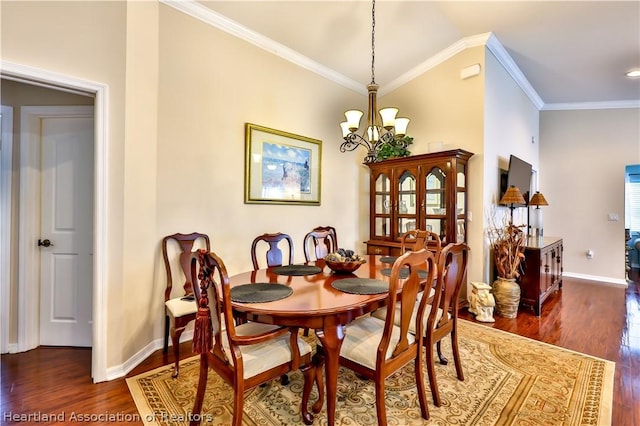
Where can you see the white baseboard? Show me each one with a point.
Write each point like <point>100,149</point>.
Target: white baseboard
<point>616,282</point>
<point>122,369</point>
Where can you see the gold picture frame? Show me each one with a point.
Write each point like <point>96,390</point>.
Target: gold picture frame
<point>281,167</point>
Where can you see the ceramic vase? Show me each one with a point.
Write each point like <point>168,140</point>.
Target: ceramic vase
<point>507,294</point>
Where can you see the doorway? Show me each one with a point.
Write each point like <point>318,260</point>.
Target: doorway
<point>632,217</point>
<point>28,326</point>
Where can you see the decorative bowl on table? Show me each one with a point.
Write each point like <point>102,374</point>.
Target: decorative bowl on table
<point>344,261</point>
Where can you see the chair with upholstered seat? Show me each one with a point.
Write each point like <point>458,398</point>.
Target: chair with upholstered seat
<point>244,356</point>
<point>274,254</point>
<point>318,243</point>
<point>417,239</point>
<point>411,241</point>
<point>376,349</point>
<point>277,245</point>
<point>443,321</point>
<point>180,307</point>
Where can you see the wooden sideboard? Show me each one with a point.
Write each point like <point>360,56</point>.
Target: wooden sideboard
<point>542,271</point>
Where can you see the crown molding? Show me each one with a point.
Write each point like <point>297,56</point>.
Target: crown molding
<point>501,54</point>
<point>591,105</point>
<point>217,20</point>
<point>229,26</point>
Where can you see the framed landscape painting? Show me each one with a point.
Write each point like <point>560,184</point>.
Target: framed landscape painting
<point>281,167</point>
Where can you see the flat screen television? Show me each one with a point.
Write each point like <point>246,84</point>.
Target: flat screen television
<point>518,175</point>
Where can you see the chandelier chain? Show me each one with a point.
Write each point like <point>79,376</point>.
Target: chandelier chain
<point>373,42</point>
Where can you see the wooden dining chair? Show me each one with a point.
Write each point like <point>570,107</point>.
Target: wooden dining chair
<point>417,239</point>
<point>278,244</point>
<point>410,241</point>
<point>180,306</point>
<point>375,348</point>
<point>442,319</point>
<point>318,243</point>
<point>274,254</point>
<point>247,355</point>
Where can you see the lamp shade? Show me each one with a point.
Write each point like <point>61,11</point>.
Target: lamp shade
<point>388,117</point>
<point>401,126</point>
<point>538,200</point>
<point>512,196</point>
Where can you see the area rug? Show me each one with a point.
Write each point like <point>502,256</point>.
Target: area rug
<point>509,380</point>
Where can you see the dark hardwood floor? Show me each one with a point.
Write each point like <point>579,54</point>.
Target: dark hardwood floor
<point>587,317</point>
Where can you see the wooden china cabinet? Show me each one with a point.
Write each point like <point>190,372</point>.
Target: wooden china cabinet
<point>427,191</point>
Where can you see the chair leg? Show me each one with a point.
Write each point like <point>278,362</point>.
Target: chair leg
<point>432,375</point>
<point>202,386</point>
<point>318,362</point>
<point>456,355</point>
<point>166,334</point>
<point>309,371</point>
<point>284,379</point>
<point>175,341</point>
<point>238,402</point>
<point>443,360</point>
<point>422,392</point>
<point>381,409</point>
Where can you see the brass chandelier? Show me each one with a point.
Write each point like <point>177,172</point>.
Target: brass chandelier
<point>382,127</point>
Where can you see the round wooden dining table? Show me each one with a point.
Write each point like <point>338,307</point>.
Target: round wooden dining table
<point>316,304</point>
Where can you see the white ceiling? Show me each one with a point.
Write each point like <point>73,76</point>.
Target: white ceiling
<point>571,52</point>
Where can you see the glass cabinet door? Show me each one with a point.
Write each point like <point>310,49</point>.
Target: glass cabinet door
<point>435,202</point>
<point>461,203</point>
<point>407,210</point>
<point>382,213</point>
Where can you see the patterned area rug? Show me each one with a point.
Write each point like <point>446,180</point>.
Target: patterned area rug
<point>509,380</point>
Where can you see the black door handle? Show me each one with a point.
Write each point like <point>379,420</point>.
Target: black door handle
<point>45,243</point>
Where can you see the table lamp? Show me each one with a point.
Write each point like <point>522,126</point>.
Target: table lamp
<point>537,200</point>
<point>512,196</point>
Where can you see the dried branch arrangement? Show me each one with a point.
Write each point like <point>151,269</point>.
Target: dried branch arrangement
<point>507,242</point>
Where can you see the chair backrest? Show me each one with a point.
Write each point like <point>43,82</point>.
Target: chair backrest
<point>186,243</point>
<point>417,239</point>
<point>321,241</point>
<point>415,261</point>
<point>452,273</point>
<point>210,274</point>
<point>274,253</point>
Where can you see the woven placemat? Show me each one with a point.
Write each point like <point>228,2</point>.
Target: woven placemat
<point>404,273</point>
<point>260,292</point>
<point>360,286</point>
<point>297,270</point>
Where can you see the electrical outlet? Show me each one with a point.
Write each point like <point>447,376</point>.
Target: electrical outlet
<point>613,217</point>
<point>589,254</point>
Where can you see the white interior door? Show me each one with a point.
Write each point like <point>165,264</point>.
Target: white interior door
<point>66,234</point>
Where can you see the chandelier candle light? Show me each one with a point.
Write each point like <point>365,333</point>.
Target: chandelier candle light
<point>382,128</point>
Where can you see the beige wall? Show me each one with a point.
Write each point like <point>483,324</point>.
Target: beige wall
<point>203,107</point>
<point>583,154</point>
<point>444,108</point>
<point>85,40</point>
<point>511,127</point>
